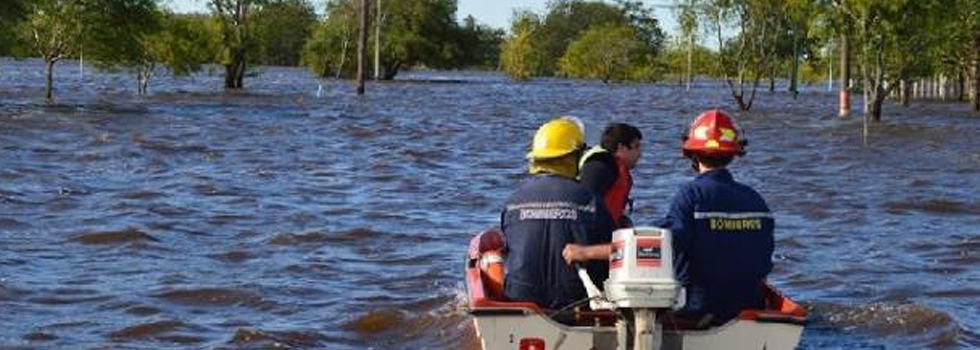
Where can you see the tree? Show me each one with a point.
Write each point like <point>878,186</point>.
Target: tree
<point>415,32</point>
<point>608,52</point>
<point>321,52</point>
<point>234,17</point>
<point>688,20</point>
<point>645,24</point>
<point>747,55</point>
<point>55,28</point>
<point>12,12</point>
<point>185,42</point>
<point>121,36</point>
<point>362,45</point>
<point>833,25</point>
<point>418,32</point>
<point>564,22</point>
<point>479,45</point>
<point>892,38</point>
<point>518,57</point>
<point>960,44</point>
<point>281,28</point>
<point>678,56</point>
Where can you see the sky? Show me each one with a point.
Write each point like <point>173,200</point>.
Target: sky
<point>495,13</point>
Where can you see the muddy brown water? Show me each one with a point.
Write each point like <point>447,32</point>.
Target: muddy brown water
<point>277,218</point>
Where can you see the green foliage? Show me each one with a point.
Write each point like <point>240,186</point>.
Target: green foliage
<point>418,32</point>
<point>705,61</point>
<point>518,57</point>
<point>645,24</point>
<point>564,22</point>
<point>567,20</point>
<point>413,33</point>
<point>54,27</point>
<point>895,40</point>
<point>185,42</point>
<point>12,12</point>
<point>959,30</point>
<point>330,52</point>
<point>117,32</point>
<point>479,45</point>
<point>760,28</point>
<point>280,29</point>
<point>234,18</point>
<point>609,52</point>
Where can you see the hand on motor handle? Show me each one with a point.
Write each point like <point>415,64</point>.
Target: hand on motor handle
<point>573,253</point>
<point>576,252</point>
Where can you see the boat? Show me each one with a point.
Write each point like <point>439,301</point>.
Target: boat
<point>638,296</point>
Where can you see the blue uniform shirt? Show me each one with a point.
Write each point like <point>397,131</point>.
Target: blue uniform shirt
<point>723,243</point>
<point>541,217</point>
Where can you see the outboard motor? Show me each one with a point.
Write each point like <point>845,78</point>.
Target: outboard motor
<point>641,282</point>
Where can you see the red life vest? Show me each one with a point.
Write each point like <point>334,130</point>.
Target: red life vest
<point>617,195</point>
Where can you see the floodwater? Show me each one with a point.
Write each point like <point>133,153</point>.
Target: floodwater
<point>296,215</point>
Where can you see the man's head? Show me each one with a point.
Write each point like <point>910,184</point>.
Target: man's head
<point>623,141</point>
<point>558,144</point>
<point>712,141</point>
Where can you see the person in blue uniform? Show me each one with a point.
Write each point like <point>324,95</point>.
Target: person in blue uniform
<point>548,211</point>
<point>722,229</point>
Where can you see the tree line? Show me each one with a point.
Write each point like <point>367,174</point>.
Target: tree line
<point>618,41</point>
<point>877,48</point>
<point>406,33</point>
<point>881,48</point>
<point>141,36</point>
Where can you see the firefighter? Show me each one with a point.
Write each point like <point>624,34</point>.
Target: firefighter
<point>549,210</point>
<point>722,229</point>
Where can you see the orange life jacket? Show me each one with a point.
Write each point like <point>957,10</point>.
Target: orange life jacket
<point>617,195</point>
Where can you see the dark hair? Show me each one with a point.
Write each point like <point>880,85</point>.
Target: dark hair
<point>712,161</point>
<point>619,134</point>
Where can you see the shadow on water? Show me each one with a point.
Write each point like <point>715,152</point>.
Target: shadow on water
<point>900,322</point>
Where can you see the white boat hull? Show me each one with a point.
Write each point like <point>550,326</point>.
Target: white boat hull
<point>510,329</point>
<point>514,325</point>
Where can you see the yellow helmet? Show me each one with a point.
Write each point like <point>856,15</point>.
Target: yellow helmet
<point>558,137</point>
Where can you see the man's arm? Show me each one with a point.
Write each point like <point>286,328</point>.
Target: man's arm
<point>576,252</point>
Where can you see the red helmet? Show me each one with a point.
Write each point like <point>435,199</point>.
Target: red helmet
<point>713,133</point>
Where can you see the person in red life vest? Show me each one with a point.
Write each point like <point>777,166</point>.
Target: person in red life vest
<point>606,168</point>
<point>547,211</point>
<point>722,229</point>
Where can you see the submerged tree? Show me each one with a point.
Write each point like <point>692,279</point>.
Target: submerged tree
<point>564,22</point>
<point>55,29</point>
<point>960,47</point>
<point>609,52</point>
<point>414,32</point>
<point>186,42</point>
<point>688,20</point>
<point>327,50</point>
<point>893,39</point>
<point>281,28</point>
<point>479,45</point>
<point>678,56</point>
<point>746,57</point>
<point>234,17</point>
<point>518,57</point>
<point>567,20</point>
<point>123,36</point>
